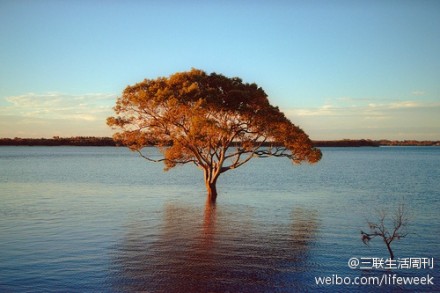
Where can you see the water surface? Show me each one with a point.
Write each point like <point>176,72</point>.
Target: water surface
<point>102,219</point>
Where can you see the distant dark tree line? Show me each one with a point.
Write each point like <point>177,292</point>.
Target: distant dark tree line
<point>346,143</point>
<point>108,141</point>
<point>373,143</point>
<point>384,142</point>
<point>59,141</point>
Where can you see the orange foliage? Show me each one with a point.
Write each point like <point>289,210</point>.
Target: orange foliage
<point>217,123</point>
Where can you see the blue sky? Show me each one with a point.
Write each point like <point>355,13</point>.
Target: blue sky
<point>338,69</point>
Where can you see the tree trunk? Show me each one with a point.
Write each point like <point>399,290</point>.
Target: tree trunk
<point>390,250</point>
<point>211,175</point>
<point>211,188</point>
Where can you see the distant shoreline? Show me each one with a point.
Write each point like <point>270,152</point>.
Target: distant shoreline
<point>108,141</point>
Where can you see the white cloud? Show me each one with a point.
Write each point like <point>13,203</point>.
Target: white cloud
<point>59,106</point>
<point>370,118</point>
<point>405,104</point>
<point>45,115</point>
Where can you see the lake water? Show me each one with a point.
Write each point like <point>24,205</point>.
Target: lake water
<point>85,219</point>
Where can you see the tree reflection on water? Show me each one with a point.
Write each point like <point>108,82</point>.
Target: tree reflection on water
<point>226,249</point>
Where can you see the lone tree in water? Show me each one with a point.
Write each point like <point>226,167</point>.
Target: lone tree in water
<point>215,122</point>
<point>397,230</point>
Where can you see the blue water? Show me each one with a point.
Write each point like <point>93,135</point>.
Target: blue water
<point>90,219</point>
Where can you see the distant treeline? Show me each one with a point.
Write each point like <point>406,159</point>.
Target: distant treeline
<point>385,142</point>
<point>59,141</point>
<point>346,143</point>
<point>108,141</point>
<point>373,143</point>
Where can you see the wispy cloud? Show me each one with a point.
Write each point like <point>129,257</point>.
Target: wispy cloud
<point>56,112</point>
<point>418,93</point>
<point>59,106</point>
<point>363,107</point>
<point>370,118</point>
<point>49,114</point>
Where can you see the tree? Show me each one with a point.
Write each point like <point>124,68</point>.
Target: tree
<point>398,231</point>
<point>215,122</point>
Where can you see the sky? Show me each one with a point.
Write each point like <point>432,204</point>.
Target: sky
<point>338,69</point>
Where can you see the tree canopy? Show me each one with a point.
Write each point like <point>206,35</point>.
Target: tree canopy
<point>215,122</point>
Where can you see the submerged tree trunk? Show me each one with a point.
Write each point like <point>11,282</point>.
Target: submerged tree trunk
<point>389,249</point>
<point>211,188</point>
<point>210,182</point>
